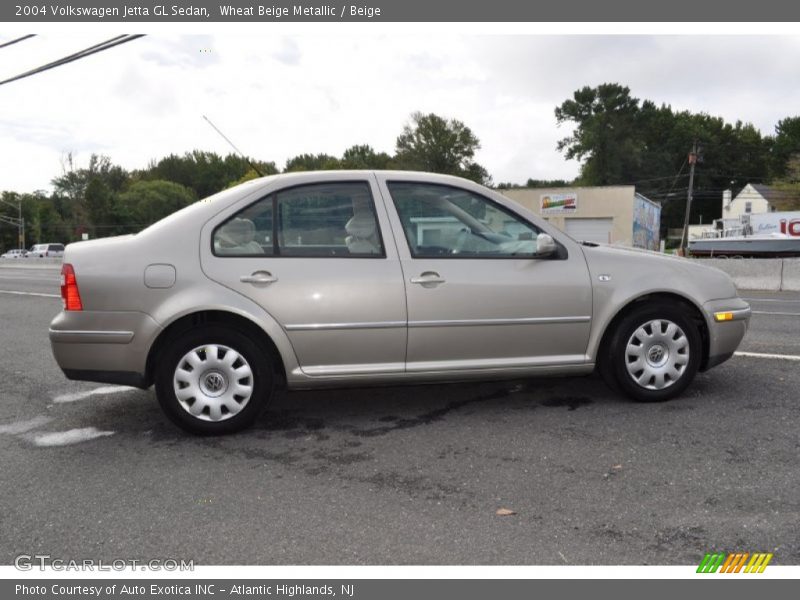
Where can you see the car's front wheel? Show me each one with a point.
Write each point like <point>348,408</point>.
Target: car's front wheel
<point>213,381</point>
<point>654,352</point>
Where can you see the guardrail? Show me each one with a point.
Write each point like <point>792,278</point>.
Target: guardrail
<point>767,274</point>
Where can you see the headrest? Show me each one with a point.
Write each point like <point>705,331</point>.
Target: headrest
<point>361,226</point>
<point>239,231</point>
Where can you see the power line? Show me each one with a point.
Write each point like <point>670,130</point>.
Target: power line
<point>110,43</point>
<point>674,181</point>
<point>20,39</point>
<point>653,179</point>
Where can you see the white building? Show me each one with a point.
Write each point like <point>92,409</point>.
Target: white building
<point>754,199</point>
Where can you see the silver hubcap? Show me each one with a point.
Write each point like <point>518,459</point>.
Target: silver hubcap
<point>213,382</point>
<point>657,354</point>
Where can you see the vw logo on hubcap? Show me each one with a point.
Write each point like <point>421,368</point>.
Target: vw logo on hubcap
<point>213,383</point>
<point>656,354</point>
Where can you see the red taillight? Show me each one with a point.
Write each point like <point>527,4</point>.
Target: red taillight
<point>70,296</point>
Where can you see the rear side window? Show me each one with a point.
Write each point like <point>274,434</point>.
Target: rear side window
<point>318,220</point>
<point>248,233</point>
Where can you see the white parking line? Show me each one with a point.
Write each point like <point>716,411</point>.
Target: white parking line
<point>108,389</point>
<point>765,355</point>
<point>30,294</point>
<point>66,438</point>
<point>24,426</point>
<point>29,278</point>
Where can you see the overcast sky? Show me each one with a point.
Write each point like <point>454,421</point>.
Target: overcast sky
<point>276,97</point>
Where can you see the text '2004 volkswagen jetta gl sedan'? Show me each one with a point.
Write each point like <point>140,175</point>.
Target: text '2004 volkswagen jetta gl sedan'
<point>347,278</point>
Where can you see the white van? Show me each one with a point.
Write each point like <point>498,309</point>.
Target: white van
<point>47,251</point>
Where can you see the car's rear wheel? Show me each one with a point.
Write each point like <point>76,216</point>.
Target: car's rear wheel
<point>213,381</point>
<point>654,352</point>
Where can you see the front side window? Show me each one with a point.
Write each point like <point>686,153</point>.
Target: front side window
<point>443,221</point>
<point>318,220</point>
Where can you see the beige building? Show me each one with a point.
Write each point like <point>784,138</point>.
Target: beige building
<point>607,214</point>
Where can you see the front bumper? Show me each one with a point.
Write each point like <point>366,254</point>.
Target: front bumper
<point>725,336</point>
<point>103,346</point>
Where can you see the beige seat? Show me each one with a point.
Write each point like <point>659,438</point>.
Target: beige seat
<point>362,230</point>
<point>237,237</point>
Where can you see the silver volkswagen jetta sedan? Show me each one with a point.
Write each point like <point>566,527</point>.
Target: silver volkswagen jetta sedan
<point>360,277</point>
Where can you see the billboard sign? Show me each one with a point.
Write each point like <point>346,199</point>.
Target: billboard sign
<point>550,204</point>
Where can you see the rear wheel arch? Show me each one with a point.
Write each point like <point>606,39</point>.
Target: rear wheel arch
<point>223,318</point>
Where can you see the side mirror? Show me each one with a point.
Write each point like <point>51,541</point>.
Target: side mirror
<point>545,245</point>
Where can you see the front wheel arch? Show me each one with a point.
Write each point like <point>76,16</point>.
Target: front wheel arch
<point>691,308</point>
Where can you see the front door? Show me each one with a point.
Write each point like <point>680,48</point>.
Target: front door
<point>478,298</point>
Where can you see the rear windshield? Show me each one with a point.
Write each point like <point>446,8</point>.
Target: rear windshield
<point>56,247</point>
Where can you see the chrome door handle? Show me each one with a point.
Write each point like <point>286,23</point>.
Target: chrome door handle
<point>262,277</point>
<point>428,277</point>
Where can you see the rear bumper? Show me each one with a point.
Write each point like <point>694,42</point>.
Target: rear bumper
<point>102,346</point>
<point>724,337</point>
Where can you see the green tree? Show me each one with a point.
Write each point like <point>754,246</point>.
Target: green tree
<point>146,202</point>
<point>312,162</point>
<point>622,140</point>
<point>264,169</point>
<point>785,151</point>
<point>73,181</point>
<point>552,183</point>
<point>605,123</point>
<point>432,143</point>
<point>99,201</point>
<point>364,157</point>
<point>205,173</point>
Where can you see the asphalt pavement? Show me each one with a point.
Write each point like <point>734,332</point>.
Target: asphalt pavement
<point>403,475</point>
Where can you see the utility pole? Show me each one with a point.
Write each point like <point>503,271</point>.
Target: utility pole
<point>21,233</point>
<point>685,235</point>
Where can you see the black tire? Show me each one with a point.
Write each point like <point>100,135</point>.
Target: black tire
<point>218,340</point>
<point>606,372</point>
<point>624,367</point>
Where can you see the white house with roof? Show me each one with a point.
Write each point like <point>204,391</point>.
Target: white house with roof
<point>754,198</point>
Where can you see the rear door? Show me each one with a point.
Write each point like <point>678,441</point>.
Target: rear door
<point>320,259</point>
<point>478,297</point>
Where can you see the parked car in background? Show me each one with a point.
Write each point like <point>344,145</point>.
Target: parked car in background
<point>357,277</point>
<point>47,251</point>
<point>17,253</point>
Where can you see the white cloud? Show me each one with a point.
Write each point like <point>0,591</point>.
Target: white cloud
<point>280,96</point>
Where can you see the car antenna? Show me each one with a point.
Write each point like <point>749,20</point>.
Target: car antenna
<point>225,137</point>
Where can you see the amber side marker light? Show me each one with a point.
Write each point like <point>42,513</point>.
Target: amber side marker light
<point>70,296</point>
